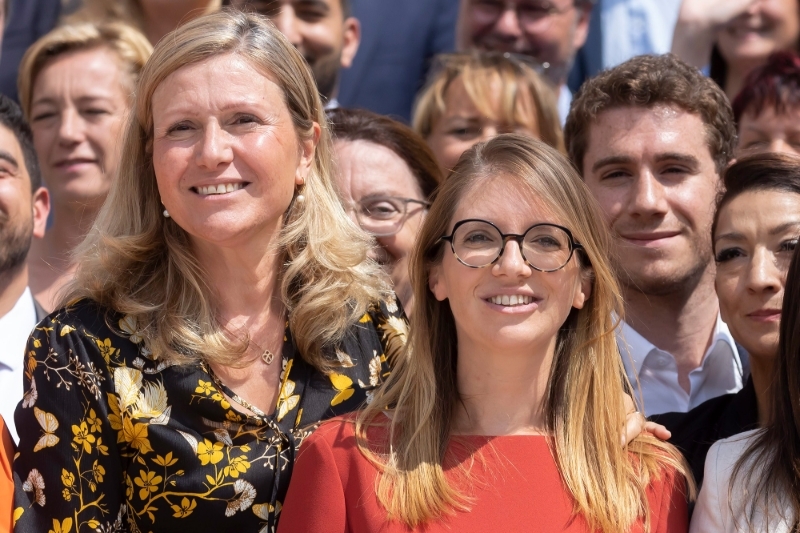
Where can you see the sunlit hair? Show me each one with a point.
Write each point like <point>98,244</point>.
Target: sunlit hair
<point>769,171</point>
<point>129,11</point>
<point>479,72</point>
<point>137,262</point>
<point>583,408</point>
<point>770,466</point>
<point>126,42</point>
<point>361,125</point>
<point>646,82</point>
<point>776,85</point>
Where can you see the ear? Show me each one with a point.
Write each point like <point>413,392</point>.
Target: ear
<point>41,209</point>
<point>583,290</point>
<point>436,284</point>
<point>582,26</point>
<point>351,40</point>
<point>308,148</point>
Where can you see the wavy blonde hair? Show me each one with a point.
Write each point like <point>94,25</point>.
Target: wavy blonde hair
<point>583,408</point>
<point>478,71</point>
<point>137,262</point>
<point>131,47</point>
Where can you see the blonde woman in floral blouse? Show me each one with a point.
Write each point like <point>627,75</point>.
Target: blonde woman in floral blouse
<point>223,304</point>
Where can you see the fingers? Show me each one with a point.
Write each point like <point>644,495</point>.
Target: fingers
<point>659,431</point>
<point>634,425</point>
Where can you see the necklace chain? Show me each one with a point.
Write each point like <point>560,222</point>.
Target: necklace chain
<point>266,355</point>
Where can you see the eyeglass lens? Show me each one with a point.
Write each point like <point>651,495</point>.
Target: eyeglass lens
<point>544,247</point>
<point>530,13</point>
<point>382,216</point>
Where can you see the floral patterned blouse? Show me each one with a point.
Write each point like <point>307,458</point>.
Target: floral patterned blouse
<point>113,440</point>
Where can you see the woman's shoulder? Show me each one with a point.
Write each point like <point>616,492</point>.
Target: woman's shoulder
<point>725,453</point>
<point>339,433</point>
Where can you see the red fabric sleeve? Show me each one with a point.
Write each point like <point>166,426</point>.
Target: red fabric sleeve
<point>315,501</point>
<point>671,513</point>
<point>6,478</point>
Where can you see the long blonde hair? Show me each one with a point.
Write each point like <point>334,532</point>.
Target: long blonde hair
<point>478,71</point>
<point>131,47</point>
<point>138,263</point>
<point>584,409</point>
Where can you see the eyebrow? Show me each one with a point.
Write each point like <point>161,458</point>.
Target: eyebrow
<point>6,156</point>
<point>612,160</point>
<point>777,230</point>
<point>660,158</point>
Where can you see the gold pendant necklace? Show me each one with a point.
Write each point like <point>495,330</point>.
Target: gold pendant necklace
<point>267,356</point>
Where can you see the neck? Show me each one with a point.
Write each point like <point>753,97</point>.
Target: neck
<point>245,282</point>
<point>161,19</point>
<point>734,78</point>
<point>761,372</point>
<point>502,391</point>
<point>12,285</point>
<point>71,223</point>
<point>681,323</point>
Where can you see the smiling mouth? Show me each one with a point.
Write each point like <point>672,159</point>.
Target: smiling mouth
<point>512,300</point>
<point>222,188</point>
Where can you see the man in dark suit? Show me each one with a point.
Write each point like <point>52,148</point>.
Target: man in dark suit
<point>322,30</point>
<point>24,205</point>
<point>399,40</point>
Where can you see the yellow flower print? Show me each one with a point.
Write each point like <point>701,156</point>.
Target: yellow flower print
<point>127,382</point>
<point>102,448</point>
<point>66,330</point>
<point>61,527</point>
<point>204,387</point>
<point>165,461</point>
<point>94,422</point>
<point>98,471</point>
<point>106,349</point>
<point>366,318</point>
<point>67,478</point>
<point>18,512</point>
<point>83,437</point>
<point>209,452</point>
<point>344,385</point>
<point>151,401</point>
<point>147,483</point>
<point>185,509</point>
<point>66,494</point>
<point>217,397</point>
<point>136,436</point>
<point>287,401</point>
<point>238,465</point>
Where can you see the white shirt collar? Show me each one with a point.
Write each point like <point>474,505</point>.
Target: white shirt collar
<point>564,101</point>
<point>15,327</point>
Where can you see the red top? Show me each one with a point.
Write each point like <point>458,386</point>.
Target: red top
<point>333,489</point>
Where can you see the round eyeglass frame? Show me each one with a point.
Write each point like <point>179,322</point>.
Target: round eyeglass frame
<point>573,244</point>
<point>401,220</point>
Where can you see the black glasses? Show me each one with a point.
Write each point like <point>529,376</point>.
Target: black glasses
<point>479,243</point>
<point>533,15</point>
<point>383,216</point>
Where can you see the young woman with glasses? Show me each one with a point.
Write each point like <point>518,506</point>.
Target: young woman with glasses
<point>502,414</point>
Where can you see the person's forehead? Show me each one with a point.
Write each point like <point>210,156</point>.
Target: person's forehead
<point>271,5</point>
<point>9,146</point>
<point>647,129</point>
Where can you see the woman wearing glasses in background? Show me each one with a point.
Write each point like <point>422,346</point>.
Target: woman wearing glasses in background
<point>505,405</point>
<point>386,176</point>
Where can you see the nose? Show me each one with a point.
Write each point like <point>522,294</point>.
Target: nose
<point>489,132</point>
<point>780,146</point>
<point>71,129</point>
<point>511,263</point>
<point>288,24</point>
<point>763,272</point>
<point>214,149</point>
<point>647,198</point>
<point>508,23</point>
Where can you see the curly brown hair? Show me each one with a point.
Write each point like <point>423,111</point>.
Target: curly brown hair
<point>648,81</point>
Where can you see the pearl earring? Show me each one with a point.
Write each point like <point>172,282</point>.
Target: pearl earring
<point>300,198</point>
<point>166,214</point>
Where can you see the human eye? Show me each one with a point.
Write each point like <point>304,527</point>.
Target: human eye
<point>180,129</point>
<point>788,245</point>
<point>312,11</point>
<point>381,209</point>
<point>614,174</point>
<point>535,10</point>
<point>42,116</point>
<point>245,119</point>
<point>465,131</point>
<point>726,255</point>
<point>478,238</point>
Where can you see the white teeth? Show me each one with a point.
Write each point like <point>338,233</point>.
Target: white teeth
<point>222,188</point>
<point>515,299</point>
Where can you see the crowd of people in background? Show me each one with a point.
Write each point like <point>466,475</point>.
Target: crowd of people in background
<point>377,265</point>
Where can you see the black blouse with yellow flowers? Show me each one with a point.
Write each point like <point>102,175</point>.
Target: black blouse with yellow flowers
<point>113,440</point>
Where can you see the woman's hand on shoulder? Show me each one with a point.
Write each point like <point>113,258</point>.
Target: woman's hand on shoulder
<point>636,423</point>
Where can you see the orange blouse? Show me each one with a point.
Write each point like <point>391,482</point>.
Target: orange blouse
<point>518,488</point>
<point>6,478</point>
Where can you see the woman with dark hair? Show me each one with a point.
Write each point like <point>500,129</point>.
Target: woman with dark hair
<point>732,37</point>
<point>753,479</point>
<point>755,232</point>
<point>767,109</point>
<point>387,175</point>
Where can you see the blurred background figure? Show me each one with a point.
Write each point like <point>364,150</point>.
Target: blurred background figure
<point>549,31</point>
<point>154,18</point>
<point>76,86</point>
<point>399,40</point>
<point>24,205</point>
<point>622,29</point>
<point>387,175</point>
<point>322,30</point>
<point>767,109</point>
<point>752,479</point>
<point>476,96</point>
<point>755,233</point>
<point>732,37</point>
